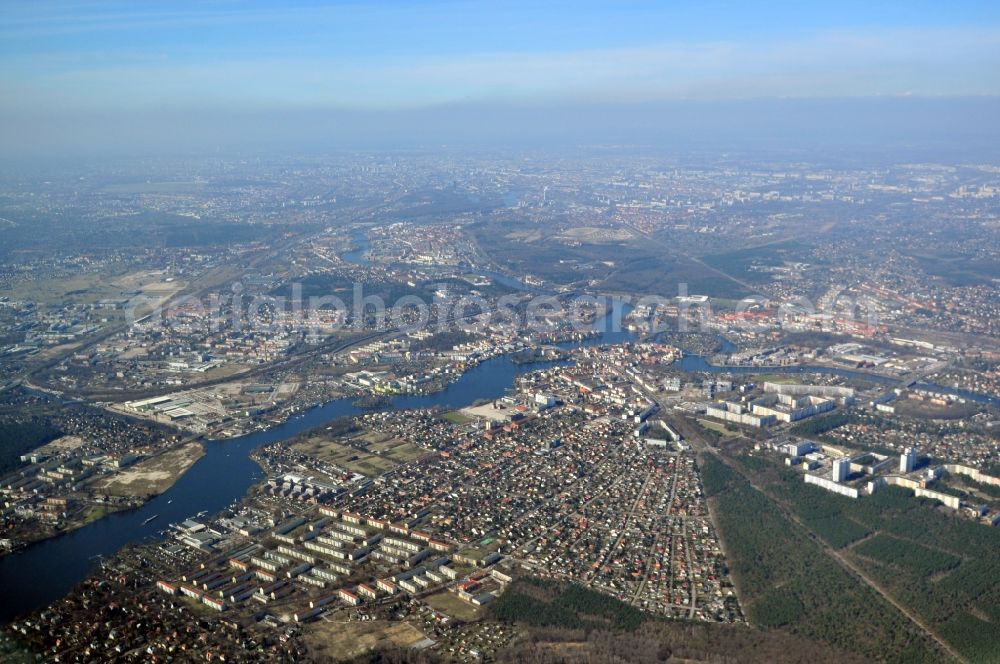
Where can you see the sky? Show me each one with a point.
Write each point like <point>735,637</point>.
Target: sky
<point>79,74</point>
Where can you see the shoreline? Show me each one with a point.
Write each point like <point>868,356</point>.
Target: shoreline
<point>203,438</point>
<point>134,501</point>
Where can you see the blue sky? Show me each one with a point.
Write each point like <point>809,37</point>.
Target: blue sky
<point>94,56</point>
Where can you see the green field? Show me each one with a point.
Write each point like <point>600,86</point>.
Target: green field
<point>719,428</point>
<point>453,605</point>
<point>93,513</point>
<point>369,459</point>
<point>456,417</point>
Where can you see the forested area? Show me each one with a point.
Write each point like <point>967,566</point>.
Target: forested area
<point>787,581</point>
<point>837,531</point>
<point>565,622</point>
<point>442,341</point>
<point>905,555</point>
<point>944,568</point>
<point>544,603</point>
<point>670,641</point>
<point>17,438</point>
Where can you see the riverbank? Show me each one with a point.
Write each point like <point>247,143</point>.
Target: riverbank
<point>47,570</point>
<point>126,490</point>
<point>44,532</point>
<point>153,476</point>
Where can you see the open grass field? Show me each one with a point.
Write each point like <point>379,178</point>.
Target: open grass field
<point>94,513</point>
<point>928,411</point>
<point>92,287</point>
<point>340,641</point>
<point>457,417</point>
<point>399,451</point>
<point>80,288</point>
<point>155,475</point>
<point>62,444</point>
<point>345,456</point>
<point>718,427</point>
<point>375,460</point>
<point>485,411</point>
<point>454,606</point>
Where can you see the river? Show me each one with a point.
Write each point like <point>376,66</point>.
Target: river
<point>358,255</point>
<point>45,571</point>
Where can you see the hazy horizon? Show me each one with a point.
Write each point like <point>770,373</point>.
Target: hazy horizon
<point>110,79</point>
<point>949,128</point>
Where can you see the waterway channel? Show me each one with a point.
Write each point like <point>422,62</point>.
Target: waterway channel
<point>45,571</point>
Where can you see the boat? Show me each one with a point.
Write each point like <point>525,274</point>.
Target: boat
<point>170,501</point>
<point>150,519</point>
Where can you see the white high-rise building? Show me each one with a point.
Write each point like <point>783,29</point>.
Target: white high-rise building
<point>908,460</point>
<point>841,469</point>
